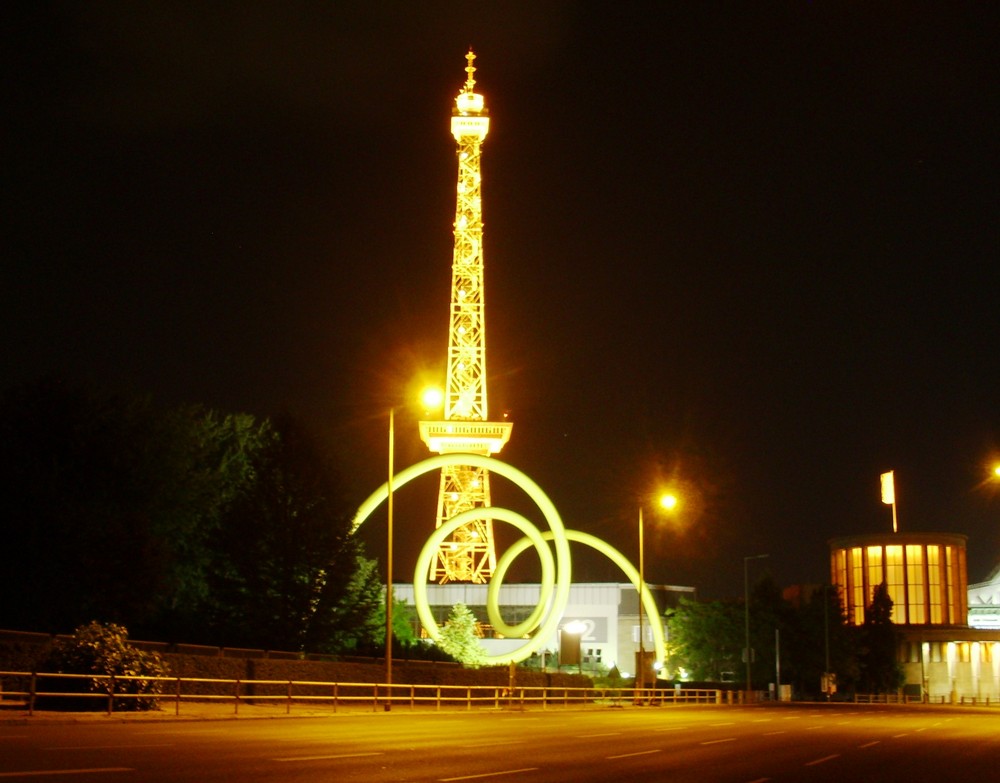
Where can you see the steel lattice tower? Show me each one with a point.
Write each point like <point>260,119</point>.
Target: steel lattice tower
<point>470,555</point>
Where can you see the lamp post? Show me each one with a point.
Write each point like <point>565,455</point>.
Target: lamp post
<point>667,502</point>
<point>640,669</point>
<point>746,609</point>
<point>431,398</point>
<point>388,564</point>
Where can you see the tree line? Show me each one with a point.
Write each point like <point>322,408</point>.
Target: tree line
<point>794,642</point>
<point>182,524</point>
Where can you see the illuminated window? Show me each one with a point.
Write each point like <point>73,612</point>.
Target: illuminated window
<point>857,602</point>
<point>840,574</point>
<point>934,583</point>
<point>916,610</point>
<point>950,581</point>
<point>894,578</point>
<point>875,575</point>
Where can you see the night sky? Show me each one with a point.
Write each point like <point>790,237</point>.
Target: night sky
<point>748,250</point>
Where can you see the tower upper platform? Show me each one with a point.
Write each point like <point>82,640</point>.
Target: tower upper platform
<point>469,119</point>
<point>470,437</point>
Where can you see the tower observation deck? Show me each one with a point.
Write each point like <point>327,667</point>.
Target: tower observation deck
<point>470,554</point>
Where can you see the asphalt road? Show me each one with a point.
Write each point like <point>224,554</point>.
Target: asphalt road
<point>705,744</point>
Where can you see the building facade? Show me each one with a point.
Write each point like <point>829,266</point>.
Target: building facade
<point>984,602</point>
<point>608,612</point>
<point>943,658</point>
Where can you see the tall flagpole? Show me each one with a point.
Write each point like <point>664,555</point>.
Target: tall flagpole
<point>889,496</point>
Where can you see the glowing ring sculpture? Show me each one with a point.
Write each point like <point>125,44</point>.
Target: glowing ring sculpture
<point>616,557</point>
<point>559,581</point>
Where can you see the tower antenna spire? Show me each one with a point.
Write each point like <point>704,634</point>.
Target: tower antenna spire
<point>470,555</point>
<point>470,69</point>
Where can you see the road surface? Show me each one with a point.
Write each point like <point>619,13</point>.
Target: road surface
<point>705,744</point>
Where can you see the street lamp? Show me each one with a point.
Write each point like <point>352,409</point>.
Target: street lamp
<point>388,564</point>
<point>668,502</point>
<point>746,609</point>
<point>431,399</point>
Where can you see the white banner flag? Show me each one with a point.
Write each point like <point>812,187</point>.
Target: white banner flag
<point>888,489</point>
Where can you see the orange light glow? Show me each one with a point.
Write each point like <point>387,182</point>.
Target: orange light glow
<point>668,501</point>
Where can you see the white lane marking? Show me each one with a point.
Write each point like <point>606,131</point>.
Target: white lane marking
<point>40,772</point>
<point>716,742</point>
<point>591,736</point>
<point>490,774</point>
<point>112,747</point>
<point>868,744</point>
<point>772,733</point>
<point>673,728</point>
<point>629,755</point>
<point>327,757</point>
<point>493,744</point>
<point>820,761</point>
<point>904,734</point>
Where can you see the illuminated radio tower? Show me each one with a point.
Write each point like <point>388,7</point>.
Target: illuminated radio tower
<point>470,555</point>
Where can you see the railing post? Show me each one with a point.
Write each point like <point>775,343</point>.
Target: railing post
<point>236,703</point>
<point>111,694</point>
<point>31,695</point>
<point>336,693</point>
<point>288,707</point>
<point>438,702</point>
<point>177,700</point>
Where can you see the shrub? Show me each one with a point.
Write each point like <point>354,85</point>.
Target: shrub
<point>103,649</point>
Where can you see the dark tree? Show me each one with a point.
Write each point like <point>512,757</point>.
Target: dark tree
<point>105,500</point>
<point>284,554</point>
<point>358,619</point>
<point>706,638</point>
<point>182,524</point>
<point>879,670</point>
<point>820,632</point>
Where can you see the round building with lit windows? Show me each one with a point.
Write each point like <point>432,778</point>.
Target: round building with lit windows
<point>943,659</point>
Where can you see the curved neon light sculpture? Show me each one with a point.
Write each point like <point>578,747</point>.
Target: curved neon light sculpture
<point>555,581</point>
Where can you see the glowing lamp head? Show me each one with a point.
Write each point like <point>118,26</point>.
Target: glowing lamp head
<point>669,502</point>
<point>432,398</point>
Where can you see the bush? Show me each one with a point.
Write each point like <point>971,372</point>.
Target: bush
<point>103,649</point>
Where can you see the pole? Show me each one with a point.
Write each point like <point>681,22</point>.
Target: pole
<point>777,664</point>
<point>826,639</point>
<point>746,610</point>
<point>640,676</point>
<point>388,566</point>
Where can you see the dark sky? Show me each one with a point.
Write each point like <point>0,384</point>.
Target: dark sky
<point>747,249</point>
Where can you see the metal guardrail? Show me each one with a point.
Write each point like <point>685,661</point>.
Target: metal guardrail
<point>177,690</point>
<point>956,699</point>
